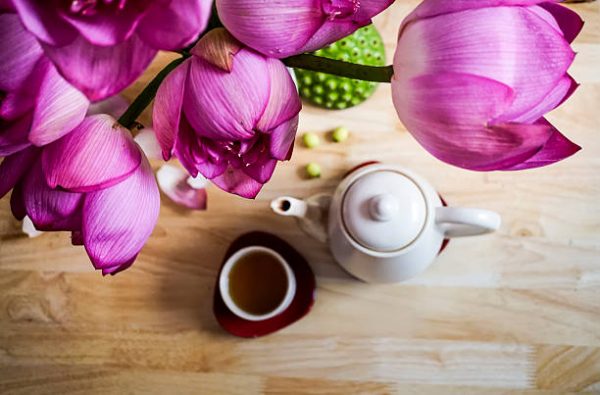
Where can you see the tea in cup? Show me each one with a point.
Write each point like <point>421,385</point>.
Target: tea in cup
<point>257,283</point>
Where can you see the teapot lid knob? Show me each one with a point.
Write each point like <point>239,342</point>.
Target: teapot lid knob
<point>384,207</point>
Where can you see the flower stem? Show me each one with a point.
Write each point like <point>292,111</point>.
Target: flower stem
<point>145,98</point>
<point>340,68</point>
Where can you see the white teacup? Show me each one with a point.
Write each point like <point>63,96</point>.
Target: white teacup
<point>238,259</point>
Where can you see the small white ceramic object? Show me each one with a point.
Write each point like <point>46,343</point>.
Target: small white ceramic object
<point>224,284</point>
<point>387,224</point>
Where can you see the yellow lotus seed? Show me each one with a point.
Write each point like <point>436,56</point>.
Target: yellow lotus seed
<point>311,140</point>
<point>340,134</point>
<point>313,170</point>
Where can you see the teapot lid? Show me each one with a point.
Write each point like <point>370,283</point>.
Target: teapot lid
<point>384,210</point>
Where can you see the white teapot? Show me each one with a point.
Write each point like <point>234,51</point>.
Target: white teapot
<point>385,223</point>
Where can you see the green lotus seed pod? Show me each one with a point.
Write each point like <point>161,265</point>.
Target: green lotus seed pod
<point>340,134</point>
<point>311,140</point>
<point>313,170</point>
<point>364,46</point>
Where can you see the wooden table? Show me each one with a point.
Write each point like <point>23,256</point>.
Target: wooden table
<point>515,311</point>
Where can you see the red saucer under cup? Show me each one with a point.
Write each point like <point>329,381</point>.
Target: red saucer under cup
<point>300,306</point>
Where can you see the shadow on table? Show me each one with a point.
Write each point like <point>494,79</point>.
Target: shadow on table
<point>186,289</point>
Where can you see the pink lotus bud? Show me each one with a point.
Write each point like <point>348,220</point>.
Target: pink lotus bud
<point>102,46</point>
<point>283,28</point>
<point>95,183</point>
<point>228,113</point>
<point>473,80</point>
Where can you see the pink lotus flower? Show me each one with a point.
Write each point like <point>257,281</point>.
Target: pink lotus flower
<point>37,106</point>
<point>102,46</point>
<point>284,28</point>
<point>95,183</point>
<point>228,113</point>
<point>473,80</point>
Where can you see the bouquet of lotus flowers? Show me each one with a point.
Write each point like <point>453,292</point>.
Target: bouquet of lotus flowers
<point>471,81</point>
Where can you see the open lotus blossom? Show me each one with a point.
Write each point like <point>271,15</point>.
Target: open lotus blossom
<point>101,46</point>
<point>228,113</point>
<point>282,28</point>
<point>94,182</point>
<point>37,106</point>
<point>474,93</point>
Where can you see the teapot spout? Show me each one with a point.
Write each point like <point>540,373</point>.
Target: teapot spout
<point>289,207</point>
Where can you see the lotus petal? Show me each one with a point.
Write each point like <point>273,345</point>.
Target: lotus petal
<point>98,154</point>
<point>19,53</point>
<point>284,102</point>
<point>14,167</point>
<point>278,28</point>
<point>557,148</point>
<point>50,209</point>
<point>58,110</point>
<point>227,106</point>
<point>281,139</point>
<point>118,221</point>
<point>107,26</point>
<point>14,135</point>
<point>449,114</point>
<point>237,182</point>
<point>168,106</point>
<point>101,72</point>
<point>187,19</point>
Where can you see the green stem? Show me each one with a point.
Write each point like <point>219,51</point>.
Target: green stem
<point>340,68</point>
<point>145,98</point>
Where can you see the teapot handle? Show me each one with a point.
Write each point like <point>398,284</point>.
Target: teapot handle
<point>464,222</point>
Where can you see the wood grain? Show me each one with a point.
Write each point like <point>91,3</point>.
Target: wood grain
<point>517,312</point>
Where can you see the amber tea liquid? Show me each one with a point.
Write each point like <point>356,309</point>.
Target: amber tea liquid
<point>258,283</point>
